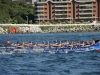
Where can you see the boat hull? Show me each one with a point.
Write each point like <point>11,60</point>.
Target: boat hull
<point>50,50</point>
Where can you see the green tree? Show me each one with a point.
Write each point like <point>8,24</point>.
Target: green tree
<point>43,22</point>
<point>73,21</point>
<point>91,21</point>
<point>36,22</point>
<point>30,21</point>
<point>59,21</point>
<point>20,20</point>
<point>66,21</point>
<point>81,21</point>
<point>53,22</point>
<point>15,11</point>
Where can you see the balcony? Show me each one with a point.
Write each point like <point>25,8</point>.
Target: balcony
<point>61,18</point>
<point>85,9</point>
<point>85,5</point>
<point>39,18</point>
<point>60,5</point>
<point>60,13</point>
<point>85,17</point>
<point>85,0</point>
<point>39,14</point>
<point>85,13</point>
<point>62,1</point>
<point>61,10</point>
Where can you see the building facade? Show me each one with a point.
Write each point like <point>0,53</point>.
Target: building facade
<point>67,10</point>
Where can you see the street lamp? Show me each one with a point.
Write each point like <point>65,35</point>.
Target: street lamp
<point>39,20</point>
<point>27,19</point>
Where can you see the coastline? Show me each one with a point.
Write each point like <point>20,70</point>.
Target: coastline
<point>24,29</point>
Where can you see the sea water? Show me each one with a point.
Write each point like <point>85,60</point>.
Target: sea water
<point>84,63</point>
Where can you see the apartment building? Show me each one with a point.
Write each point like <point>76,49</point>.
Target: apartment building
<point>87,10</point>
<point>67,10</point>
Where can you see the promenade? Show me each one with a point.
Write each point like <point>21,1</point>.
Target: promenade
<point>89,24</point>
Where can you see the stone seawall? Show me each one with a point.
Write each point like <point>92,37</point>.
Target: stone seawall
<point>48,29</point>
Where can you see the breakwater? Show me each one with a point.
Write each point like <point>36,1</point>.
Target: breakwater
<point>23,29</point>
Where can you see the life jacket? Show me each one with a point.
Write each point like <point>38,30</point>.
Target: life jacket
<point>7,41</point>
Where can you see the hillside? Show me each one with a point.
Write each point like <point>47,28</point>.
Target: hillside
<point>15,12</point>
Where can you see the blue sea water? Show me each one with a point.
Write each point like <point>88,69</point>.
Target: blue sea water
<point>84,63</point>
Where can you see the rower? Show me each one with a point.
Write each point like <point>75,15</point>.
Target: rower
<point>17,45</point>
<point>87,44</point>
<point>78,43</point>
<point>82,44</point>
<point>34,45</point>
<point>68,45</point>
<point>47,44</point>
<point>93,42</point>
<point>56,45</point>
<point>30,44</point>
<point>7,42</point>
<point>42,44</point>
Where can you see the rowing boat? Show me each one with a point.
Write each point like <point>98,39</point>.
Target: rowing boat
<point>50,49</point>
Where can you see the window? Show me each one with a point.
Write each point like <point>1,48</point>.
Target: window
<point>94,6</point>
<point>45,12</point>
<point>94,3</point>
<point>93,14</point>
<point>45,16</point>
<point>45,8</point>
<point>69,11</point>
<point>45,4</point>
<point>94,10</point>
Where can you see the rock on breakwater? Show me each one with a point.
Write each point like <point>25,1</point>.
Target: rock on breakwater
<point>49,29</point>
<point>30,29</point>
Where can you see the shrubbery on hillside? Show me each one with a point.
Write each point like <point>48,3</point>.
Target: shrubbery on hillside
<point>15,12</point>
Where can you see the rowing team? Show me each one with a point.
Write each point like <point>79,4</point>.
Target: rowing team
<point>55,44</point>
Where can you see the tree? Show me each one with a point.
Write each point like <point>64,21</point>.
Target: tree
<point>43,22</point>
<point>81,21</point>
<point>36,22</point>
<point>59,21</point>
<point>20,20</point>
<point>53,22</point>
<point>91,21</point>
<point>13,12</point>
<point>73,21</point>
<point>66,21</point>
<point>30,21</point>
<point>6,1</point>
<point>16,11</point>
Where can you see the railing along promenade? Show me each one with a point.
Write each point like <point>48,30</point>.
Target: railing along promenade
<point>95,24</point>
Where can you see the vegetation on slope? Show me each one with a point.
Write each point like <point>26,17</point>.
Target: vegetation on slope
<point>15,12</point>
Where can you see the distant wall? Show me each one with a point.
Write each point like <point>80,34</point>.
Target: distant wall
<point>48,24</point>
